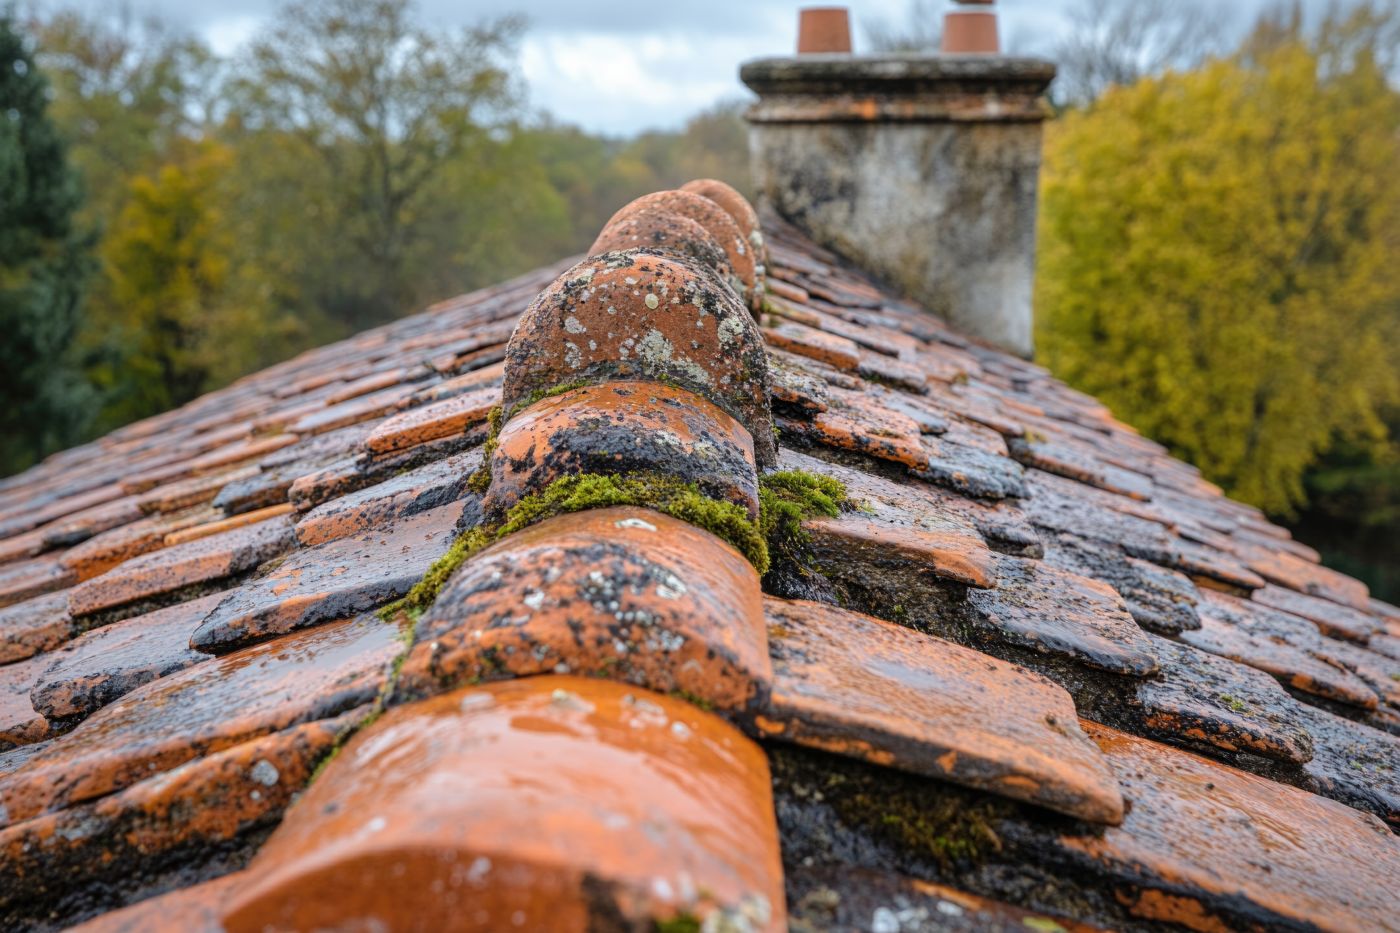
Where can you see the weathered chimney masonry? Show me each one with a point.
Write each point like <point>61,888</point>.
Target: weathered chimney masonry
<point>920,169</point>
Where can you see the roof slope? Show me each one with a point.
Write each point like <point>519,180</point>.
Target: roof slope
<point>1032,673</point>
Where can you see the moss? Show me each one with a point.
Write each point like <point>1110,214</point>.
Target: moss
<point>1234,704</point>
<point>788,498</point>
<point>586,491</point>
<point>694,699</point>
<point>480,481</point>
<point>680,923</point>
<point>950,828</point>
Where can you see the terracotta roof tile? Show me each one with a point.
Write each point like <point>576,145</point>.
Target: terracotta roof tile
<point>543,803</point>
<point>1012,543</point>
<point>135,835</point>
<point>19,723</point>
<point>431,422</point>
<point>621,592</point>
<point>24,580</point>
<point>169,569</point>
<point>205,708</point>
<point>108,662</point>
<point>328,581</point>
<point>34,626</point>
<point>855,685</point>
<point>632,315</point>
<point>624,427</point>
<point>438,482</point>
<point>1049,611</point>
<point>1211,847</point>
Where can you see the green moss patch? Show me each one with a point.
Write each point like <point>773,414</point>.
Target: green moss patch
<point>785,500</point>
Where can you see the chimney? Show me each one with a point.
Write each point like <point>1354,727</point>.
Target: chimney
<point>921,169</point>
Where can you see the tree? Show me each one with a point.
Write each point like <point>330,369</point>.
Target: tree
<point>1117,42</point>
<point>125,90</point>
<point>375,106</point>
<point>921,31</point>
<point>43,262</point>
<point>1217,261</point>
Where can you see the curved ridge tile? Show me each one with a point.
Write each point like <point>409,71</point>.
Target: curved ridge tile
<point>543,803</point>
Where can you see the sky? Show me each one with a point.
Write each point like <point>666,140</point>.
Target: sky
<point>620,66</point>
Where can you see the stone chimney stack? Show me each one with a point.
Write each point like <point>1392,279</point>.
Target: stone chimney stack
<point>921,169</point>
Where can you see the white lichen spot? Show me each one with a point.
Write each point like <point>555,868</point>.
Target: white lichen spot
<point>567,699</point>
<point>656,351</point>
<point>637,523</point>
<point>481,866</point>
<point>585,276</point>
<point>949,909</point>
<point>376,825</point>
<point>739,245</point>
<point>680,730</point>
<point>884,921</point>
<point>474,701</point>
<point>611,309</point>
<point>264,772</point>
<point>651,301</point>
<point>630,280</point>
<point>573,325</point>
<point>672,587</point>
<point>593,346</point>
<point>534,599</point>
<point>730,331</point>
<point>573,356</point>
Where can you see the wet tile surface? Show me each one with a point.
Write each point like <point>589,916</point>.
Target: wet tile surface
<point>330,581</point>
<point>34,626</point>
<point>1049,611</point>
<point>198,561</point>
<point>305,676</point>
<point>506,798</point>
<point>435,484</point>
<point>1208,845</point>
<point>624,593</point>
<point>20,724</point>
<point>855,685</point>
<point>108,662</point>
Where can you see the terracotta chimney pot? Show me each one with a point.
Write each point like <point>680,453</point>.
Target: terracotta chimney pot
<point>971,32</point>
<point>824,29</point>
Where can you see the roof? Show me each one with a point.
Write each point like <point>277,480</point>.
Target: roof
<point>1017,668</point>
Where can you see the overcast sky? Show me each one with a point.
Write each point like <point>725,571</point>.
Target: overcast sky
<point>619,66</point>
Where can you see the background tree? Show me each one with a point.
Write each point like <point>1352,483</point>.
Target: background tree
<point>1118,42</point>
<point>921,30</point>
<point>44,399</point>
<point>1218,260</point>
<point>379,105</point>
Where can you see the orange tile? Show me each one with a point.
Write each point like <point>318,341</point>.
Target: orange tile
<point>625,593</point>
<point>952,555</point>
<point>20,724</point>
<point>437,483</point>
<point>108,662</point>
<point>1331,617</point>
<point>545,803</point>
<point>1050,611</point>
<point>668,233</point>
<point>104,551</point>
<point>718,223</point>
<point>1212,848</point>
<point>131,838</point>
<point>27,579</point>
<point>854,685</point>
<point>808,341</point>
<point>634,316</point>
<point>624,427</point>
<point>334,580</point>
<point>199,561</point>
<point>430,422</point>
<point>737,207</point>
<point>195,532</point>
<point>34,626</point>
<point>212,706</point>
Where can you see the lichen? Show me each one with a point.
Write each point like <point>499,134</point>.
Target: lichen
<point>1233,703</point>
<point>680,923</point>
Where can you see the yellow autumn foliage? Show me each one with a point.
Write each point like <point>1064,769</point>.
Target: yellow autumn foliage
<point>1220,261</point>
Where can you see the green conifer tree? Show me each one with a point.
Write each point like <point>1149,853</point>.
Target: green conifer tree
<point>44,398</point>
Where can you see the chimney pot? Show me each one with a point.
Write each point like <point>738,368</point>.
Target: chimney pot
<point>824,29</point>
<point>971,32</point>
